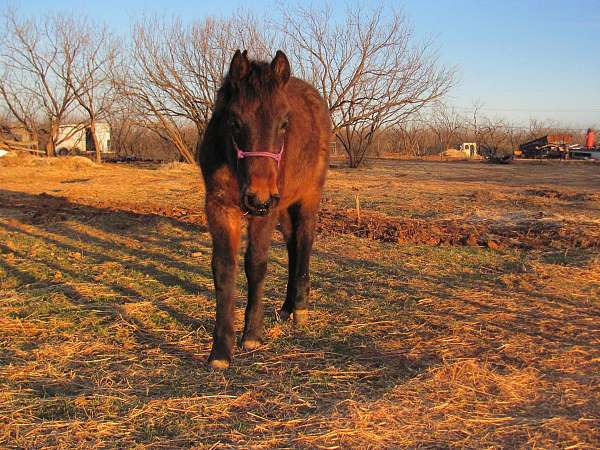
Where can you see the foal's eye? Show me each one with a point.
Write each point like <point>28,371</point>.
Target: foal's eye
<point>235,124</point>
<point>284,124</point>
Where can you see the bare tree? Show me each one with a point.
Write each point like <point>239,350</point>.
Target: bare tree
<point>93,76</point>
<point>18,108</point>
<point>476,121</point>
<point>369,68</point>
<point>178,68</point>
<point>415,137</point>
<point>515,135</point>
<point>447,124</point>
<point>37,59</point>
<point>539,128</point>
<point>493,133</point>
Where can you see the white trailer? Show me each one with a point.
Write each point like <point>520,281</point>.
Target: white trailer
<point>77,138</point>
<point>469,149</point>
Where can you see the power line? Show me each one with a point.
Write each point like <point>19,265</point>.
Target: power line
<point>523,127</point>
<point>471,108</point>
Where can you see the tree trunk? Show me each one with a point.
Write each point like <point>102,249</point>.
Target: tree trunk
<point>35,138</point>
<point>350,159</point>
<point>95,141</point>
<point>175,137</point>
<point>353,161</point>
<point>51,145</point>
<point>185,154</point>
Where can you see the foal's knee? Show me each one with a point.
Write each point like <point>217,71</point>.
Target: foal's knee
<point>255,270</point>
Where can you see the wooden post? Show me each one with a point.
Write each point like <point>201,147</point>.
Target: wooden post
<point>357,199</point>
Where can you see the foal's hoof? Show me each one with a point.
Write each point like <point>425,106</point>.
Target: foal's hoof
<point>251,344</point>
<point>284,315</point>
<point>300,317</point>
<point>218,364</point>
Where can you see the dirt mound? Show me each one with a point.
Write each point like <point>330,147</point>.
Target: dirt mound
<point>43,208</point>
<point>528,235</point>
<point>567,196</point>
<point>399,230</point>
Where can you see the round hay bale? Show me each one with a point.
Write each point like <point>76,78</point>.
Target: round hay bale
<point>9,159</point>
<point>454,154</point>
<point>18,159</point>
<point>40,161</point>
<point>73,162</point>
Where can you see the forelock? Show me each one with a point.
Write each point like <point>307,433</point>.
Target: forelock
<point>258,84</point>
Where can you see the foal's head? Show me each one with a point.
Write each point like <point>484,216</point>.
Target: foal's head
<point>256,114</point>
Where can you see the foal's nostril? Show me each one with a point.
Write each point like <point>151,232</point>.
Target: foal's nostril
<point>251,200</point>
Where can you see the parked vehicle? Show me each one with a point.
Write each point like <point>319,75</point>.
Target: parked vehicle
<point>76,139</point>
<point>496,154</point>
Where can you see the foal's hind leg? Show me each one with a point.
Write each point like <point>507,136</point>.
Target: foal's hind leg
<point>298,227</point>
<point>260,231</point>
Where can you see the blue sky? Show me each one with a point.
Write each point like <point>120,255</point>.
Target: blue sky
<point>520,59</point>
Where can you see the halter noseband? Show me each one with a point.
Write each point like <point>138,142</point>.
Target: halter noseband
<point>242,154</point>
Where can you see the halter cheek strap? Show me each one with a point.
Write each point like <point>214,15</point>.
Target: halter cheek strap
<point>242,154</point>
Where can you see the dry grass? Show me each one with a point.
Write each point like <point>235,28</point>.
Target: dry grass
<point>106,311</point>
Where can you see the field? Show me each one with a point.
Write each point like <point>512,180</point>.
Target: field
<point>461,311</point>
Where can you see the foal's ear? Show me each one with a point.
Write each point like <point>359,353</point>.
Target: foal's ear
<point>281,67</point>
<point>239,66</point>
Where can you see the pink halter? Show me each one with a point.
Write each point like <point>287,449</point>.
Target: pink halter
<point>242,154</point>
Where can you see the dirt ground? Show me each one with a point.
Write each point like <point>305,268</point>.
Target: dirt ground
<point>460,310</point>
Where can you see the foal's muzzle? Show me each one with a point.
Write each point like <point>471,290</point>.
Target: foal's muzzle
<point>252,205</point>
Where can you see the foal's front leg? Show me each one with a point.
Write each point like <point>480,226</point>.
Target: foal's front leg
<point>260,231</point>
<point>225,226</point>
